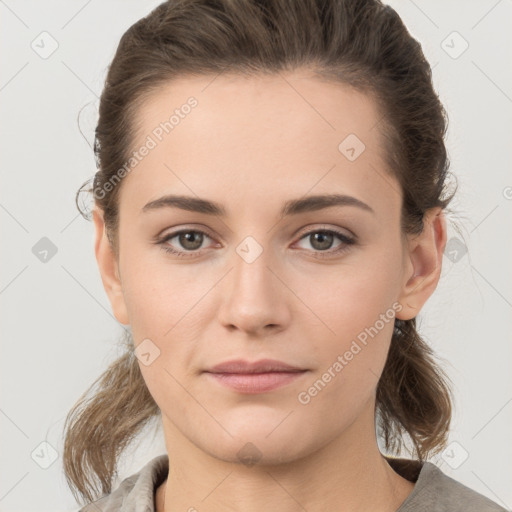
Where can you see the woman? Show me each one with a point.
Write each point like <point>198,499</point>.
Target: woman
<point>269,216</point>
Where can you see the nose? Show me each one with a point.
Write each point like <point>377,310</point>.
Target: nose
<point>254,298</point>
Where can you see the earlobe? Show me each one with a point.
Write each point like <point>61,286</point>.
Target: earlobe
<point>425,254</point>
<point>109,269</point>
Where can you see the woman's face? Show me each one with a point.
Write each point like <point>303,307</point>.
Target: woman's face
<point>250,283</point>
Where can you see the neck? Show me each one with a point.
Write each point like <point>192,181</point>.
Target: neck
<point>348,473</point>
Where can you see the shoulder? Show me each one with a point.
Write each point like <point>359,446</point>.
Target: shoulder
<point>434,490</point>
<point>136,492</point>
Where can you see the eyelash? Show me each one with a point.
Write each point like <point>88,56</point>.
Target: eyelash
<point>347,241</point>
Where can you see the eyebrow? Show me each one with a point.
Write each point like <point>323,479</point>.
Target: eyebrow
<point>291,207</point>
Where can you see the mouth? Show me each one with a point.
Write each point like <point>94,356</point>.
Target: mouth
<point>257,377</point>
<point>261,366</point>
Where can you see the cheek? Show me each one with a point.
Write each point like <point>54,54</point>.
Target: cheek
<point>349,362</point>
<point>350,327</point>
<point>160,295</point>
<point>166,304</point>
<point>350,298</point>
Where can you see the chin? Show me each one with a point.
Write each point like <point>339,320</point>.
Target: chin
<point>261,444</point>
<point>254,453</point>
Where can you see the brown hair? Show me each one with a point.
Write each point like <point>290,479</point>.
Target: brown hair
<point>360,43</point>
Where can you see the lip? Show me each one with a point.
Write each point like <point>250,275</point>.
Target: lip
<point>256,377</point>
<point>262,366</point>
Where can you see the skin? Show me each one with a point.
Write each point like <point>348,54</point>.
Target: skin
<point>251,144</point>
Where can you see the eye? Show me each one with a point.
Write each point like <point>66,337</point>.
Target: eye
<point>190,241</point>
<point>322,241</point>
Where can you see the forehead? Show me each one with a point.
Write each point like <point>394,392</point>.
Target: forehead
<point>286,133</point>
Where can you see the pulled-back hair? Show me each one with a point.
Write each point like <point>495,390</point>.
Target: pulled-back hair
<point>360,43</point>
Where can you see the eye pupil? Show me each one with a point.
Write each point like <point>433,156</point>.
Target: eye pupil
<point>325,240</point>
<point>191,240</point>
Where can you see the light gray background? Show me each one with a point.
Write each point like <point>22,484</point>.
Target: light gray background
<point>58,333</point>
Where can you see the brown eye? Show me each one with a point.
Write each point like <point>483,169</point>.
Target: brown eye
<point>190,240</point>
<point>321,241</point>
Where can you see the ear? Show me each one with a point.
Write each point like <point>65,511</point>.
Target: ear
<point>109,268</point>
<point>425,256</point>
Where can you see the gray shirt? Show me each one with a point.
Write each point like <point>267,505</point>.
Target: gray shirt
<point>433,490</point>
